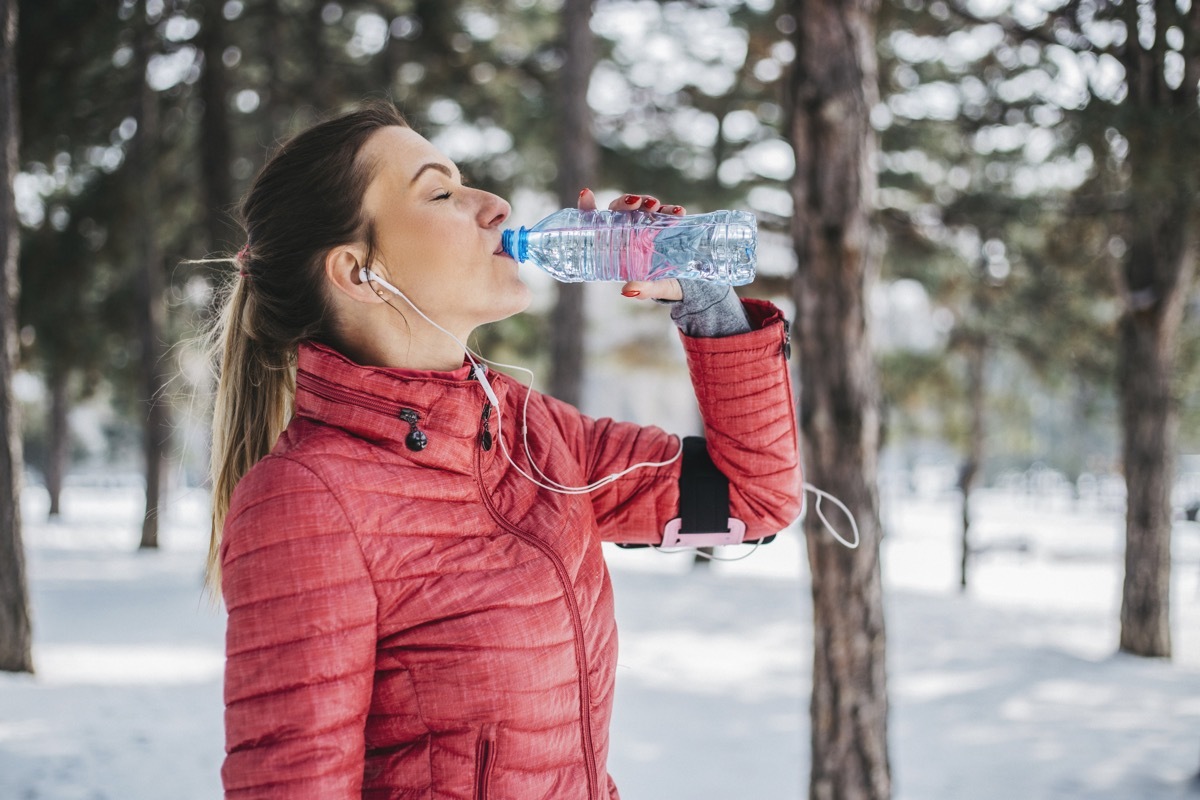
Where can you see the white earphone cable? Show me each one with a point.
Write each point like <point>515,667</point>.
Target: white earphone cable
<point>480,374</point>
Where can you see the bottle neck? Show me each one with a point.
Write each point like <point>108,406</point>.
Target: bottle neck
<point>516,243</point>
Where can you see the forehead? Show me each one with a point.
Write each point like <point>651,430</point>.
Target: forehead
<point>396,154</point>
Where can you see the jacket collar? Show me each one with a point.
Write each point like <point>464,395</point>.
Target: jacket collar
<point>373,402</point>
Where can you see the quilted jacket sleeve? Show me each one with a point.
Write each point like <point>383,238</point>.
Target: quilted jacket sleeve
<point>743,386</point>
<point>300,641</point>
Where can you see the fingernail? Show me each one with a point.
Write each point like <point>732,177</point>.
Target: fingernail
<point>676,209</point>
<point>651,203</point>
<point>630,199</point>
<point>585,191</point>
<point>631,292</point>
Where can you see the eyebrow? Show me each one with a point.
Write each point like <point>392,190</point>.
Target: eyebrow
<point>432,165</point>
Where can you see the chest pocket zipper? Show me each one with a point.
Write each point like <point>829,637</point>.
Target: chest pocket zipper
<point>485,757</point>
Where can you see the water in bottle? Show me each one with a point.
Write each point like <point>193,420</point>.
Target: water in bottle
<point>574,245</point>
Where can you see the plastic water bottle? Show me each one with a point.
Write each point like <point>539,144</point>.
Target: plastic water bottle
<point>574,245</point>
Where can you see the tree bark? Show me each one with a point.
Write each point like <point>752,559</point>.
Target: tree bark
<point>320,84</point>
<point>1157,276</point>
<point>577,159</point>
<point>152,302</point>
<point>58,450</point>
<point>273,111</point>
<point>16,634</point>
<point>831,91</point>
<point>968,478</point>
<point>216,147</point>
<point>1158,272</point>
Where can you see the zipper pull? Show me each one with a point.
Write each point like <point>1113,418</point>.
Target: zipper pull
<point>787,340</point>
<point>416,439</point>
<point>485,438</point>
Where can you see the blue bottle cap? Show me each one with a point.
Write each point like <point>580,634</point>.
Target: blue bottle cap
<point>516,243</point>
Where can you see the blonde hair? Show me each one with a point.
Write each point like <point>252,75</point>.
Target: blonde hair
<point>306,200</point>
<point>255,390</point>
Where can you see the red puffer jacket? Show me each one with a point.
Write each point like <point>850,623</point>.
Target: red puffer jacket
<point>428,623</point>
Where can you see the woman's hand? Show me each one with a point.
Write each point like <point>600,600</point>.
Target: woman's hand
<point>668,289</point>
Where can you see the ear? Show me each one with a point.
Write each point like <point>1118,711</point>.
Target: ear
<point>342,265</point>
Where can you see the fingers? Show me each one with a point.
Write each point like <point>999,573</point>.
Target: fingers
<point>653,290</point>
<point>643,202</point>
<point>640,290</point>
<point>627,202</point>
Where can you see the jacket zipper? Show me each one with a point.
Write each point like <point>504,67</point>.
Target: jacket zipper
<point>485,438</point>
<point>337,394</point>
<point>585,692</point>
<point>485,756</point>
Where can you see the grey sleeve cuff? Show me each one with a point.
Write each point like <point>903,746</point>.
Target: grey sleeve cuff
<point>709,310</point>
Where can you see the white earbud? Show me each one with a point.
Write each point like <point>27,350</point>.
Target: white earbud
<point>366,276</point>
<point>478,370</point>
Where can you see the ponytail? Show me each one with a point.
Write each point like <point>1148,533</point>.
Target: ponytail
<point>255,392</point>
<point>306,200</point>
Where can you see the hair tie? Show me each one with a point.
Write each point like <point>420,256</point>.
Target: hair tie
<point>241,259</point>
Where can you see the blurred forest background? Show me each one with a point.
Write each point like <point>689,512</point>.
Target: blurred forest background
<point>1001,209</point>
<point>1033,206</point>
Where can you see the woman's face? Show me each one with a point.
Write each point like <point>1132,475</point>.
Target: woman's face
<point>438,241</point>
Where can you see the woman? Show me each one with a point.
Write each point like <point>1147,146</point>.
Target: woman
<point>410,616</point>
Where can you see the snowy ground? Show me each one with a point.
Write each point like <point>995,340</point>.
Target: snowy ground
<point>1011,692</point>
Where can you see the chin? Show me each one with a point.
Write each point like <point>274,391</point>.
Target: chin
<point>513,300</point>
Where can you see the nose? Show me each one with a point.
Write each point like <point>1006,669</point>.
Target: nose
<point>493,210</point>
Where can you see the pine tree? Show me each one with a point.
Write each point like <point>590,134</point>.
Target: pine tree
<point>980,159</point>
<point>1137,211</point>
<point>833,87</point>
<point>577,168</point>
<point>15,628</point>
<point>74,144</point>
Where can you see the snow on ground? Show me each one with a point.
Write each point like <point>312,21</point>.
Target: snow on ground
<point>1012,691</point>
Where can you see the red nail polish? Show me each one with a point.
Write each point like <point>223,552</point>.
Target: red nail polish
<point>630,199</point>
<point>631,293</point>
<point>585,191</point>
<point>676,209</point>
<point>651,203</point>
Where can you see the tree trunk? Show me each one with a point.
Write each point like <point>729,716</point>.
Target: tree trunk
<point>577,159</point>
<point>1158,272</point>
<point>152,303</point>
<point>1157,275</point>
<point>58,450</point>
<point>832,89</point>
<point>216,148</point>
<point>320,84</point>
<point>273,111</point>
<point>1148,442</point>
<point>976,359</point>
<point>16,636</point>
